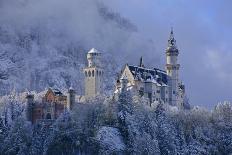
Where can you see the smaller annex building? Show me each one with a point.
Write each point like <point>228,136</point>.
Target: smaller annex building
<point>53,103</point>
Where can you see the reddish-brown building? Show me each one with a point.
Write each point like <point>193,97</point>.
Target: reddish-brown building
<point>54,102</point>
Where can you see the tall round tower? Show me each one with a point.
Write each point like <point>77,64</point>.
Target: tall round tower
<point>70,99</point>
<point>29,107</point>
<point>172,68</point>
<point>93,75</point>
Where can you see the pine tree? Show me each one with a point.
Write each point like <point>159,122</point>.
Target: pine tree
<point>63,136</point>
<point>125,109</point>
<point>18,140</point>
<point>166,132</point>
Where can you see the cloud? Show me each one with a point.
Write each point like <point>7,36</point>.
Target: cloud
<point>219,62</point>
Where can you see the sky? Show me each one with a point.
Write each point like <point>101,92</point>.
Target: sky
<point>203,32</point>
<point>202,29</point>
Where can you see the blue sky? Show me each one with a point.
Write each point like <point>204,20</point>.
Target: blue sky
<point>203,33</point>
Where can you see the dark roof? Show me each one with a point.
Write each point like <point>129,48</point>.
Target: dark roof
<point>145,74</point>
<point>57,92</point>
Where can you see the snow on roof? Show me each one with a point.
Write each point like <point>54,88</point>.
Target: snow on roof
<point>71,88</point>
<point>149,75</point>
<point>93,50</point>
<point>56,91</point>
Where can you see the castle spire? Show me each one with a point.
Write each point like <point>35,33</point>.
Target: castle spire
<point>171,40</point>
<point>172,48</point>
<point>141,62</point>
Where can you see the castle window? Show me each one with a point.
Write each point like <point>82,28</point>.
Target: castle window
<point>97,72</point>
<point>158,91</point>
<point>92,73</point>
<point>89,73</point>
<point>86,74</point>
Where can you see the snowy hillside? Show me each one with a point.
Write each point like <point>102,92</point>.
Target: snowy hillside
<point>40,47</point>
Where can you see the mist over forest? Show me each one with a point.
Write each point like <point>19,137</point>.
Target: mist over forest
<point>44,44</point>
<point>42,47</point>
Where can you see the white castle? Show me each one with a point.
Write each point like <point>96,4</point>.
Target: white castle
<point>154,84</point>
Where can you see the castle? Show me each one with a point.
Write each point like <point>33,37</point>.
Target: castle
<point>154,84</point>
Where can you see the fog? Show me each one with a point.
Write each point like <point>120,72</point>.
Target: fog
<point>202,30</point>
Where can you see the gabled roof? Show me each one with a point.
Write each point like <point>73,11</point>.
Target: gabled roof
<point>56,91</point>
<point>149,75</point>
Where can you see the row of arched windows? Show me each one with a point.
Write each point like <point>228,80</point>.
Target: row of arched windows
<point>93,73</point>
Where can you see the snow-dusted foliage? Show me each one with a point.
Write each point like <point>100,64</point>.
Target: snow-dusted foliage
<point>18,139</point>
<point>125,126</point>
<point>12,106</point>
<point>40,47</point>
<point>110,140</point>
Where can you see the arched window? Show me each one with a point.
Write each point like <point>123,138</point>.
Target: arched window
<point>86,74</point>
<point>97,72</point>
<point>89,73</point>
<point>93,73</point>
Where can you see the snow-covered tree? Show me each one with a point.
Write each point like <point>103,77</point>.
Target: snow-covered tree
<point>110,141</point>
<point>222,121</point>
<point>19,137</point>
<point>166,133</point>
<point>63,137</point>
<point>40,134</point>
<point>12,106</point>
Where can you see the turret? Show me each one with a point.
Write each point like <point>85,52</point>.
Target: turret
<point>93,75</point>
<point>172,68</point>
<point>29,107</point>
<point>70,99</point>
<point>94,58</point>
<point>141,64</point>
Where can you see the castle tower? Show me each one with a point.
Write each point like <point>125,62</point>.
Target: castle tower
<point>70,99</point>
<point>93,74</point>
<point>141,64</point>
<point>29,107</point>
<point>172,68</point>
